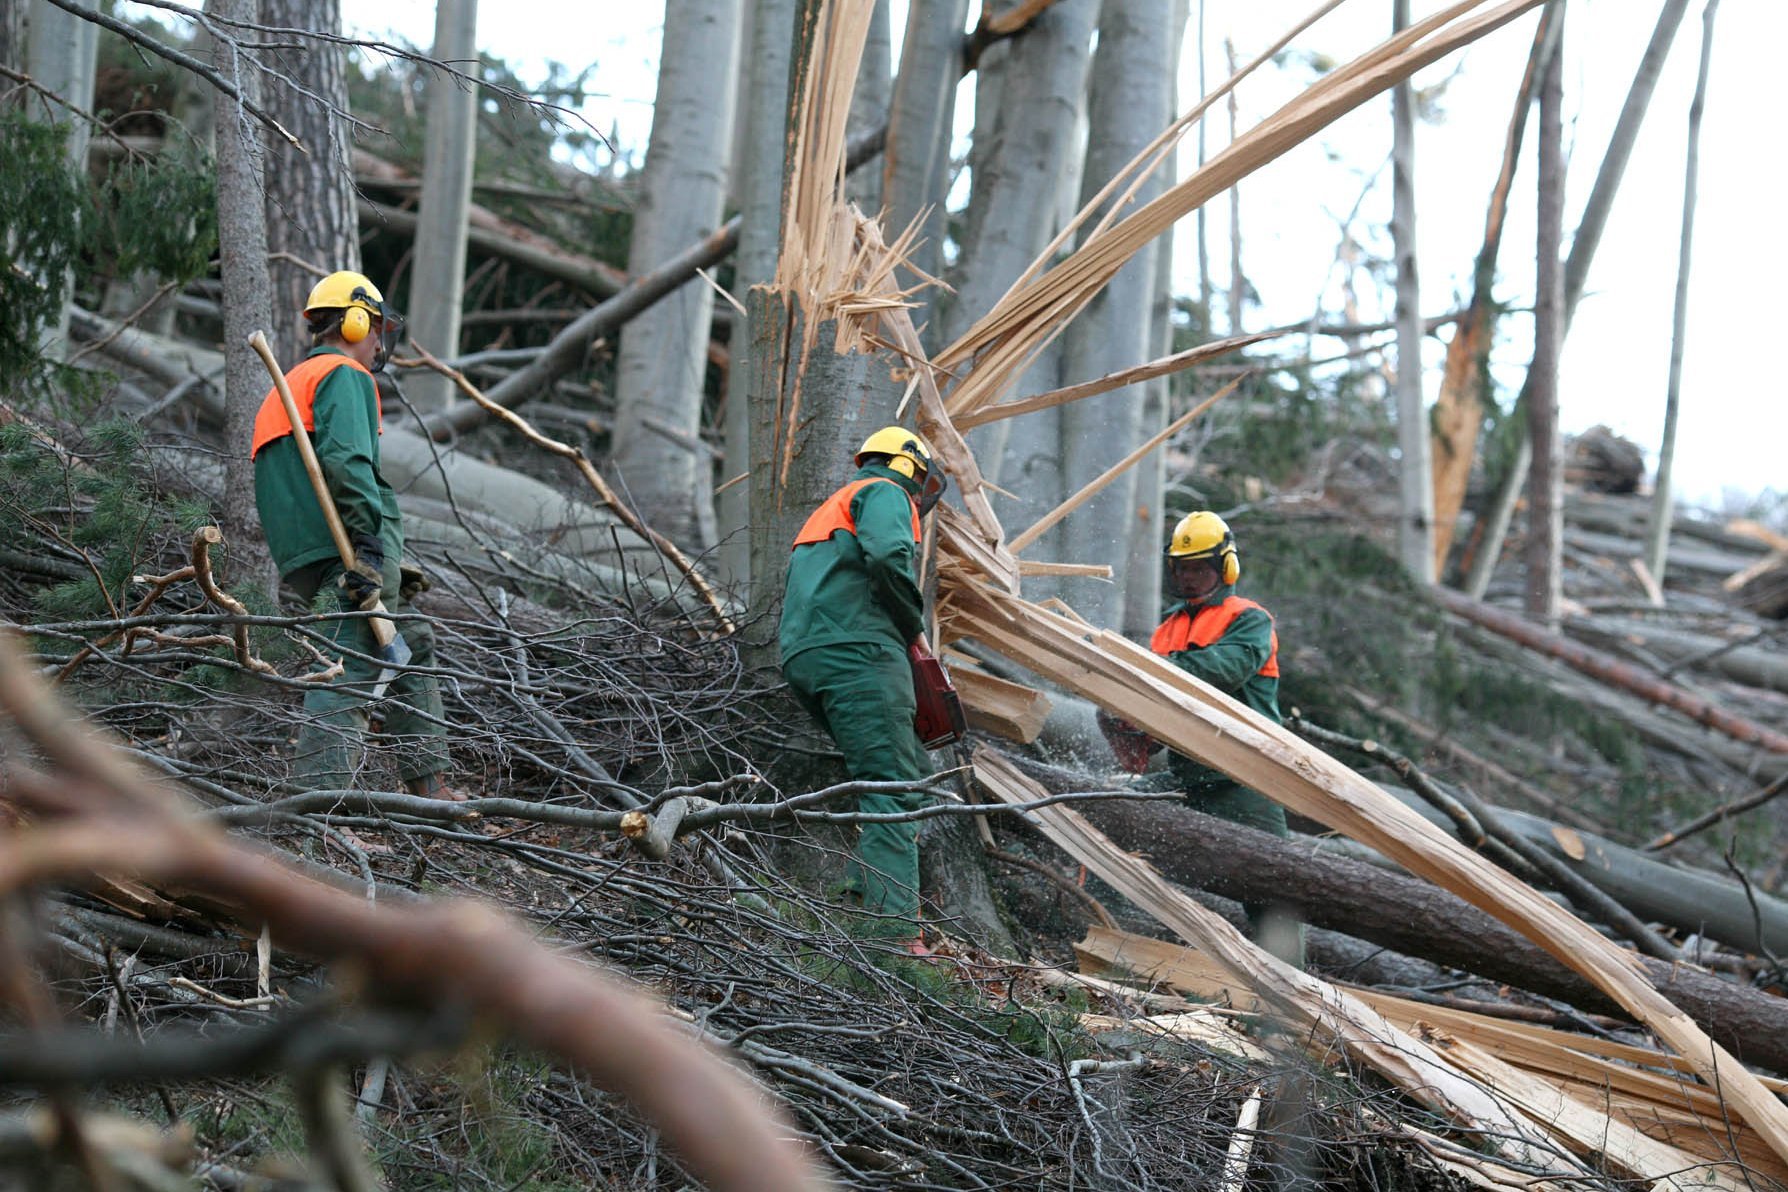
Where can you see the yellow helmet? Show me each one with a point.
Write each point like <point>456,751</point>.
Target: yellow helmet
<point>908,453</point>
<point>355,296</point>
<point>1204,535</point>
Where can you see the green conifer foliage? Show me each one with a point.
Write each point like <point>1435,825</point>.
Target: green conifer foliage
<point>44,204</point>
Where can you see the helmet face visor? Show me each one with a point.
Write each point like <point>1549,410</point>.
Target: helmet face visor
<point>391,333</point>
<point>1195,577</point>
<point>931,490</point>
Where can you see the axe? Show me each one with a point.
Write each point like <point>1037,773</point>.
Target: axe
<point>393,650</point>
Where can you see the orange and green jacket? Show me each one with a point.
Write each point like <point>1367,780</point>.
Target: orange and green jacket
<point>342,403</point>
<point>853,568</point>
<point>1230,643</point>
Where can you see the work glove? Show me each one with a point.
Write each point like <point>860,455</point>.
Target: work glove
<point>363,583</point>
<point>411,582</point>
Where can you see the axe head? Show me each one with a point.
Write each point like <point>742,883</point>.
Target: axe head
<point>394,652</point>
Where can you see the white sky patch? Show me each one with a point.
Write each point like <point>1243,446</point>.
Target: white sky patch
<point>1734,423</point>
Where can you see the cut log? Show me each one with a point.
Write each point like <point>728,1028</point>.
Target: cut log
<point>997,706</point>
<point>1417,919</point>
<point>1612,671</point>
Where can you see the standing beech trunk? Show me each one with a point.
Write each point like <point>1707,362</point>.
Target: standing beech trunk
<point>242,245</point>
<point>1415,521</point>
<point>1038,85</point>
<point>869,106</point>
<point>311,223</point>
<point>664,352</point>
<point>1130,90</point>
<point>1576,272</point>
<point>1545,493</point>
<point>438,279</point>
<point>916,161</point>
<point>764,119</point>
<point>1657,545</point>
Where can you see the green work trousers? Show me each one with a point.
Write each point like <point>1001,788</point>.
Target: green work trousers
<point>332,734</point>
<point>862,694</point>
<point>1273,925</point>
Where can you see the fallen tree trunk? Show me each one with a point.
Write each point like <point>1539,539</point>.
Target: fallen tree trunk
<point>1609,670</point>
<point>1417,919</point>
<point>1745,664</point>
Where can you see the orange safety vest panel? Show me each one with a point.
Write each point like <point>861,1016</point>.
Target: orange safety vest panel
<point>271,421</point>
<point>1183,630</point>
<point>835,513</point>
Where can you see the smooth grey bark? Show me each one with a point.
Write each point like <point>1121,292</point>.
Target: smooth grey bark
<point>1037,86</point>
<point>1204,251</point>
<point>760,163</point>
<point>916,161</point>
<point>1415,522</point>
<point>1238,282</point>
<point>1130,89</point>
<point>869,104</point>
<point>449,147</point>
<point>663,356</point>
<point>62,55</point>
<point>1576,271</point>
<point>1148,526</point>
<point>242,247</point>
<point>1657,545</point>
<point>310,196</point>
<point>12,37</point>
<point>1545,490</point>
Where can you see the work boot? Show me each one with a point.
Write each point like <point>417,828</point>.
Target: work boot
<point>430,786</point>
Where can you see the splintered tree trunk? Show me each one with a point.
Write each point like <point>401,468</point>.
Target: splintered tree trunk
<point>916,161</point>
<point>242,244</point>
<point>437,281</point>
<point>311,223</point>
<point>63,54</point>
<point>1415,522</point>
<point>1130,90</point>
<point>869,105</point>
<point>663,356</point>
<point>1576,271</point>
<point>1459,410</point>
<point>1657,546</point>
<point>760,162</point>
<point>1037,85</point>
<point>1545,492</point>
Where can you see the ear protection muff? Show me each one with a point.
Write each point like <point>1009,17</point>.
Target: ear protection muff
<point>903,465</point>
<point>1232,564</point>
<point>356,324</point>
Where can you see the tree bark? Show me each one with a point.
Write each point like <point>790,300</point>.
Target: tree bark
<point>1036,84</point>
<point>663,357</point>
<point>1417,919</point>
<point>869,104</point>
<point>1238,284</point>
<point>916,163</point>
<point>1657,545</point>
<point>312,224</point>
<point>450,144</point>
<point>1415,524</point>
<point>1576,270</point>
<point>242,244</point>
<point>761,163</point>
<point>1459,410</point>
<point>1545,491</point>
<point>1131,88</point>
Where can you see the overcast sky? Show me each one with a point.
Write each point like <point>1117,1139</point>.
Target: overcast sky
<point>1734,430</point>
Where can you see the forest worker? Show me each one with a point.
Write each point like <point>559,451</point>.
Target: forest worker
<point>352,333</point>
<point>851,610</point>
<point>1229,642</point>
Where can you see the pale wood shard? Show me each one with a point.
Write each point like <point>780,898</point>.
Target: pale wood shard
<point>1129,681</point>
<point>1644,1090</point>
<point>1005,709</point>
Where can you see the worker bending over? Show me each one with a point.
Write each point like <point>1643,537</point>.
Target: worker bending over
<point>352,332</point>
<point>851,609</point>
